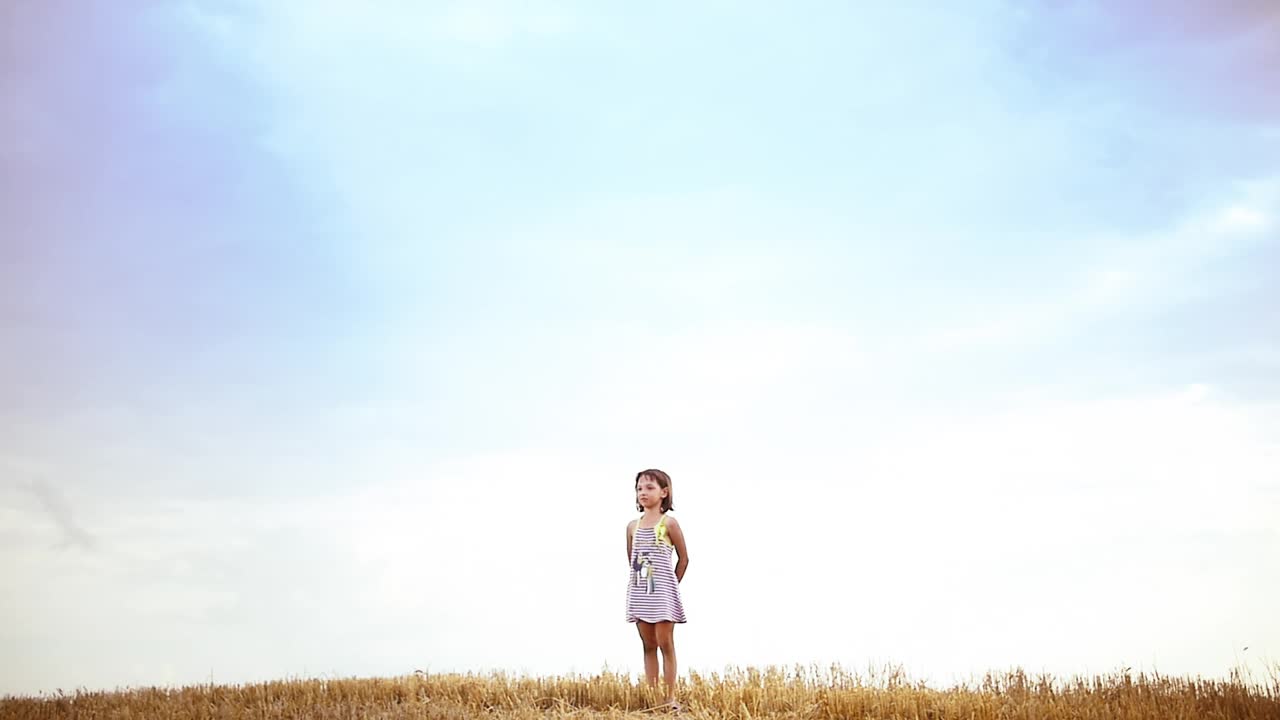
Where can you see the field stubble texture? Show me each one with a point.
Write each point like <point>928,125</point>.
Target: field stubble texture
<point>801,692</point>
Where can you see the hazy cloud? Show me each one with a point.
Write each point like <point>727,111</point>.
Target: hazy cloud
<point>330,328</point>
<point>55,504</point>
<point>1198,59</point>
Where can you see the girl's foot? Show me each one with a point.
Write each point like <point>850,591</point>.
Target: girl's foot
<point>673,706</point>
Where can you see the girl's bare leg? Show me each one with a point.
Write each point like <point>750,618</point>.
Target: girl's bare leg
<point>665,636</point>
<point>649,638</point>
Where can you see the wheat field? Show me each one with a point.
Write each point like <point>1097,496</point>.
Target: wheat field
<point>800,692</point>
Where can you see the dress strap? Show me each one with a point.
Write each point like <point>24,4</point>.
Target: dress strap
<point>659,531</point>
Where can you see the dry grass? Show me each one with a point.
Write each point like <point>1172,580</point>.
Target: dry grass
<point>772,693</point>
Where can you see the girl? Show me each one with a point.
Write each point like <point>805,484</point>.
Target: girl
<point>653,595</point>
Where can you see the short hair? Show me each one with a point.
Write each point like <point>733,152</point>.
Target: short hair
<point>663,480</point>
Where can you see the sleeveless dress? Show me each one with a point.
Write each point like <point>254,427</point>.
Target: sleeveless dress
<point>653,593</point>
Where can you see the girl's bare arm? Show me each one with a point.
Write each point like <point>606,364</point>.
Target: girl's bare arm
<point>676,535</point>
<point>633,522</point>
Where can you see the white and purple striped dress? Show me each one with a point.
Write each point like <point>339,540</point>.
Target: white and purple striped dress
<point>653,593</point>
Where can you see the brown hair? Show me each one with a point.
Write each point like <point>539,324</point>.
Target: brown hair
<point>663,480</point>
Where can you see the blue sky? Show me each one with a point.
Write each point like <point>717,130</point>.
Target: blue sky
<point>323,312</point>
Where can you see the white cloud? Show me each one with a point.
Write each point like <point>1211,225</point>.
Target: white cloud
<point>1241,218</point>
<point>714,380</point>
<point>952,543</point>
<point>1131,273</point>
<point>492,25</point>
<point>289,42</point>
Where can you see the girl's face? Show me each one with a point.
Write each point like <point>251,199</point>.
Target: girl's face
<point>648,493</point>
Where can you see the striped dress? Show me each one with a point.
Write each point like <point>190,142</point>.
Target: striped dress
<point>653,593</point>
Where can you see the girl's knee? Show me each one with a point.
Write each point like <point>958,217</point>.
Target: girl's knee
<point>668,646</point>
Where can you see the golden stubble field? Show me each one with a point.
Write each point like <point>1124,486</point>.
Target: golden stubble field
<point>801,692</point>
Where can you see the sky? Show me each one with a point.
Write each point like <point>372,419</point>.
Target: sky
<point>332,337</point>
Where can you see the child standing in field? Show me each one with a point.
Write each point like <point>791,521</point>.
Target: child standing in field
<point>653,595</point>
